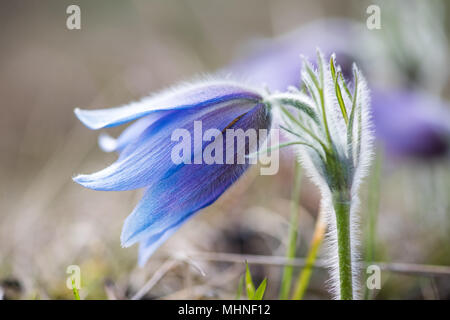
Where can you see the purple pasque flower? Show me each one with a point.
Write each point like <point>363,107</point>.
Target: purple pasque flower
<point>173,191</point>
<point>411,122</point>
<point>397,113</point>
<point>276,62</point>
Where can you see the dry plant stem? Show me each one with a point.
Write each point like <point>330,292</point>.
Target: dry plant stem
<point>165,267</point>
<point>305,274</point>
<point>341,204</point>
<point>199,291</point>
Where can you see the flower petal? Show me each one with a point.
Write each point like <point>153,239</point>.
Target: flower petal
<point>147,159</point>
<point>109,144</point>
<point>190,96</point>
<point>170,202</point>
<point>148,246</point>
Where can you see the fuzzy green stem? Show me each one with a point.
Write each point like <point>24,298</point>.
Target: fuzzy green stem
<point>341,202</point>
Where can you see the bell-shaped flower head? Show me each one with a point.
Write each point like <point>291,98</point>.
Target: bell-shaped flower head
<point>179,150</point>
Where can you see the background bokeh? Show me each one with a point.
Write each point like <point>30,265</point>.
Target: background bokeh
<point>125,50</point>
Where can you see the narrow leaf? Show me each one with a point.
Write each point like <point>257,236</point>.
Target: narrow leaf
<point>239,289</point>
<point>310,112</point>
<point>332,67</point>
<point>340,100</point>
<point>321,68</point>
<point>351,121</point>
<point>311,74</point>
<point>260,291</point>
<point>250,287</point>
<point>344,84</point>
<point>282,145</point>
<point>295,121</point>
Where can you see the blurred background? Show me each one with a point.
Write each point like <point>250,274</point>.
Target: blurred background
<point>128,49</point>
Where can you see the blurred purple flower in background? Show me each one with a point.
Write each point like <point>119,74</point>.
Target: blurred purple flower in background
<point>408,122</point>
<point>276,62</point>
<point>174,192</point>
<point>411,123</point>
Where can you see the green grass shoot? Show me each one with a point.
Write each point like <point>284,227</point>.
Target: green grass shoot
<point>75,290</point>
<point>293,233</point>
<point>252,293</point>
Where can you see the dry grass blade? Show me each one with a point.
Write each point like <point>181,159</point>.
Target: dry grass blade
<point>165,267</point>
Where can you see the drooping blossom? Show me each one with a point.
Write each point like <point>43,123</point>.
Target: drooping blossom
<point>173,191</point>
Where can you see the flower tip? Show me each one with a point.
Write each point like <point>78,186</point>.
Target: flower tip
<point>126,240</point>
<point>142,261</point>
<point>80,179</point>
<point>85,180</point>
<point>128,237</point>
<point>107,143</point>
<point>319,52</point>
<point>79,114</point>
<point>85,117</point>
<point>303,58</point>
